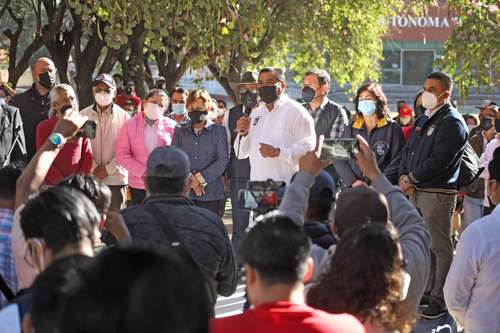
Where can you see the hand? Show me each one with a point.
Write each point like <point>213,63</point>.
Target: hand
<point>311,163</point>
<point>366,160</point>
<point>100,172</point>
<point>243,125</point>
<point>358,183</point>
<point>193,181</point>
<point>198,190</point>
<point>69,124</point>
<point>269,151</point>
<point>405,186</point>
<point>115,224</point>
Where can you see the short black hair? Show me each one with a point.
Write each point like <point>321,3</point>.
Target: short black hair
<point>98,192</point>
<point>60,216</point>
<point>117,75</point>
<point>443,78</point>
<point>178,90</point>
<point>494,166</point>
<point>136,290</point>
<point>278,73</point>
<point>222,101</point>
<point>321,74</point>
<point>50,290</point>
<point>278,249</point>
<point>8,179</point>
<point>321,207</point>
<point>159,185</point>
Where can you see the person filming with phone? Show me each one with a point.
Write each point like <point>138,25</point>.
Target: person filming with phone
<point>76,155</point>
<point>276,133</point>
<point>384,136</point>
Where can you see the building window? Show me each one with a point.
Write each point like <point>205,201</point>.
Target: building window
<point>417,65</point>
<point>391,67</point>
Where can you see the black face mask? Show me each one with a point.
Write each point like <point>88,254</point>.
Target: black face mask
<point>419,110</point>
<point>47,80</point>
<point>486,124</point>
<point>497,125</point>
<point>268,94</point>
<point>249,99</point>
<point>308,94</point>
<point>128,90</point>
<point>198,117</point>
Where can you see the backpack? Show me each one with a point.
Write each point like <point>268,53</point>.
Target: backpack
<point>470,168</point>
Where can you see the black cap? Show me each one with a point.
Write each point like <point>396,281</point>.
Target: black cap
<point>106,79</point>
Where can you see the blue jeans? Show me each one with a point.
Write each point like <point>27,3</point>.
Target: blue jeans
<point>473,210</point>
<point>240,217</point>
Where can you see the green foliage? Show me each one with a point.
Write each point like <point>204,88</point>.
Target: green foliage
<point>472,54</point>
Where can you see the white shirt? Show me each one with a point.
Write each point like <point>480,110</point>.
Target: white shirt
<point>472,288</point>
<point>289,127</point>
<point>9,319</point>
<point>486,157</point>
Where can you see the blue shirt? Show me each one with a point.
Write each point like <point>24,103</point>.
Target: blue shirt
<point>208,154</point>
<point>7,266</point>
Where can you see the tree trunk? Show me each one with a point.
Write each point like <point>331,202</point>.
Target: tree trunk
<point>136,62</point>
<point>229,81</point>
<point>168,68</point>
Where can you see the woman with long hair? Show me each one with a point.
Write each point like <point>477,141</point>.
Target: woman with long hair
<point>366,278</point>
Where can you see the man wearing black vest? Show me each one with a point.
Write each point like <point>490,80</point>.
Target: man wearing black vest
<point>238,171</point>
<point>330,118</point>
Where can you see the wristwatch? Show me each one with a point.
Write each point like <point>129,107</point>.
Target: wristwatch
<point>57,139</point>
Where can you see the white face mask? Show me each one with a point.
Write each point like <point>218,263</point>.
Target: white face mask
<point>429,100</point>
<point>153,111</point>
<point>103,99</point>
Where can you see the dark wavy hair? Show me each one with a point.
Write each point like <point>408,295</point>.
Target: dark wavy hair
<point>364,279</point>
<point>376,90</point>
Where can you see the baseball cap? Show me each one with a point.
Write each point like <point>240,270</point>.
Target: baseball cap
<point>405,111</point>
<point>249,77</point>
<point>167,162</point>
<point>485,103</point>
<point>106,79</point>
<point>322,182</point>
<point>359,205</point>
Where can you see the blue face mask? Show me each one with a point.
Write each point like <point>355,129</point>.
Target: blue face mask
<point>367,108</point>
<point>179,109</point>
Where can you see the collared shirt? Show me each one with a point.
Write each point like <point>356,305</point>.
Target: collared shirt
<point>109,123</point>
<point>486,158</point>
<point>7,265</point>
<point>340,123</point>
<point>208,155</point>
<point>289,127</point>
<point>472,288</point>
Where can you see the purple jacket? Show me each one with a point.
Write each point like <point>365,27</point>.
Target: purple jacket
<point>131,151</point>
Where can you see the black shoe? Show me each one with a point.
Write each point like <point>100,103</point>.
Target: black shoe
<point>432,311</point>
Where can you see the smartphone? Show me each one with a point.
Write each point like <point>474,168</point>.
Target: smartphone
<point>87,130</point>
<point>339,149</point>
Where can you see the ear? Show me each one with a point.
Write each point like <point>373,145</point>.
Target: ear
<point>37,252</point>
<point>309,270</point>
<point>251,275</point>
<point>333,229</point>
<point>26,323</point>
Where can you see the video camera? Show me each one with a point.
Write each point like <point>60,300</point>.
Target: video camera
<point>261,197</point>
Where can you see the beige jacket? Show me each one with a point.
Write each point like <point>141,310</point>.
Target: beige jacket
<point>109,124</point>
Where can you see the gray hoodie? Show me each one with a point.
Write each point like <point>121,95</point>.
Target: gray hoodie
<point>413,235</point>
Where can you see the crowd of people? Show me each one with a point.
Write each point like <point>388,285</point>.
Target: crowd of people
<point>111,214</point>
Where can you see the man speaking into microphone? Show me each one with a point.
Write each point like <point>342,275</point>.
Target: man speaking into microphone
<point>276,134</point>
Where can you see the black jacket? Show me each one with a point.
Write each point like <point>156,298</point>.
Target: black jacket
<point>11,131</point>
<point>237,169</point>
<point>202,232</point>
<point>34,108</point>
<point>320,234</point>
<point>386,141</point>
<point>434,151</point>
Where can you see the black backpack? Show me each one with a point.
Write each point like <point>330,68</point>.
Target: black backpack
<point>470,168</point>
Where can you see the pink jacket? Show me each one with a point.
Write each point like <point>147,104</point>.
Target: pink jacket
<point>131,152</point>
